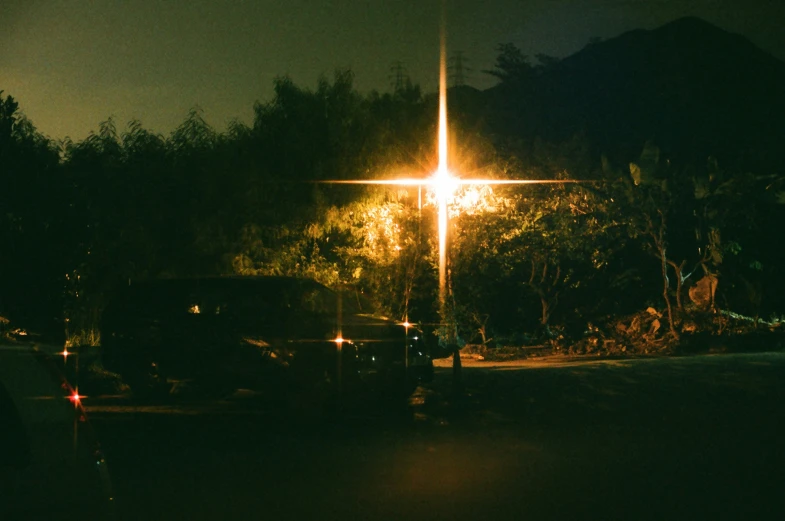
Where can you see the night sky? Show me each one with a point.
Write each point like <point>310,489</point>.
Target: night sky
<point>73,63</point>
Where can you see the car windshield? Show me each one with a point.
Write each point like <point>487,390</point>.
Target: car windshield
<point>233,297</point>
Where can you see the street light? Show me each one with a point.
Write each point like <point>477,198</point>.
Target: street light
<point>443,183</point>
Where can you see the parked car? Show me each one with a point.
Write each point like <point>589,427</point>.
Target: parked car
<point>51,466</point>
<point>270,334</point>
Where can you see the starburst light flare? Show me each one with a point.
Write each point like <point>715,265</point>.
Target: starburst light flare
<point>442,182</point>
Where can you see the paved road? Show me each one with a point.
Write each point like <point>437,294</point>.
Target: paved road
<point>677,438</point>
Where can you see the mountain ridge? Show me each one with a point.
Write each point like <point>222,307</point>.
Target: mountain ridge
<point>691,87</point>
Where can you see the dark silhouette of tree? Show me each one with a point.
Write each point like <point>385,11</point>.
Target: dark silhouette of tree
<point>123,204</point>
<point>512,66</point>
<point>33,246</point>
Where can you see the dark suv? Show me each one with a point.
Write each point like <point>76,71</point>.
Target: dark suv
<point>269,334</point>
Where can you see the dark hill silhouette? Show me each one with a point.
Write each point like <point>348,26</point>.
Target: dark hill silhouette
<point>693,88</point>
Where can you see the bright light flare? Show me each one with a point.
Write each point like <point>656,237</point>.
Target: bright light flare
<point>445,187</point>
<point>65,353</point>
<point>76,398</point>
<point>442,168</point>
<point>457,181</point>
<point>443,184</point>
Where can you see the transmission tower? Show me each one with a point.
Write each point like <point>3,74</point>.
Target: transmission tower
<point>457,69</point>
<point>398,76</point>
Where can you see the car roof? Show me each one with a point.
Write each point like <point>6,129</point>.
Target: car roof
<point>33,386</point>
<point>221,283</point>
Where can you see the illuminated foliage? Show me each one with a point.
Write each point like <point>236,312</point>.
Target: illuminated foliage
<point>536,246</point>
<point>127,203</point>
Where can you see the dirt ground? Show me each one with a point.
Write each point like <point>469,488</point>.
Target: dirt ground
<point>661,438</point>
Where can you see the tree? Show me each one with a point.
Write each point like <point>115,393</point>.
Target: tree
<point>334,133</point>
<point>689,219</point>
<point>32,238</point>
<point>512,66</point>
<point>538,244</point>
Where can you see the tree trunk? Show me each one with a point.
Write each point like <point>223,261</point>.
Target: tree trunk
<point>457,382</point>
<point>545,288</point>
<point>665,292</point>
<point>679,270</point>
<point>546,313</point>
<point>657,233</point>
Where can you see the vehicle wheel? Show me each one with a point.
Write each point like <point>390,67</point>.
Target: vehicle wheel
<point>148,384</point>
<point>202,390</point>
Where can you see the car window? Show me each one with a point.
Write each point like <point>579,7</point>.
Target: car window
<point>14,443</point>
<point>249,307</point>
<point>354,301</point>
<point>319,300</point>
<point>264,300</point>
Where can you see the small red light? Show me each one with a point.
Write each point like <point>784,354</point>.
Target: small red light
<point>75,398</point>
